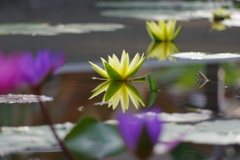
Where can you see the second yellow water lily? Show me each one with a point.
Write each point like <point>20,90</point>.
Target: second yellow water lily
<point>163,31</point>
<point>116,69</point>
<point>219,15</point>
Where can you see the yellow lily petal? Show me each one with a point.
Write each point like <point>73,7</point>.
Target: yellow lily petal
<point>124,63</point>
<point>133,63</point>
<point>162,30</point>
<point>170,29</point>
<point>137,67</point>
<point>116,63</point>
<point>99,70</point>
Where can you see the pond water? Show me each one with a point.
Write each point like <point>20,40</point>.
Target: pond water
<point>114,26</point>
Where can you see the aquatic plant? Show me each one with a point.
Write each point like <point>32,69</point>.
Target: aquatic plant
<point>216,25</point>
<point>140,132</point>
<point>116,69</point>
<point>10,71</point>
<point>163,31</point>
<point>118,91</point>
<point>162,50</point>
<point>219,15</point>
<point>36,70</point>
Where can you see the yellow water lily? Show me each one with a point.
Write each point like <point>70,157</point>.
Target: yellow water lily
<point>162,50</point>
<point>163,31</point>
<point>116,69</point>
<point>219,15</point>
<point>118,92</point>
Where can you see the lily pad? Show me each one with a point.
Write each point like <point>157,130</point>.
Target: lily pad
<point>219,132</point>
<point>202,56</point>
<point>156,10</point>
<point>46,29</point>
<point>37,138</point>
<point>91,139</point>
<point>23,98</point>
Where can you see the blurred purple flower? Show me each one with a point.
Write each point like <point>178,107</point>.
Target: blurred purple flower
<point>10,71</point>
<point>37,69</point>
<point>131,128</point>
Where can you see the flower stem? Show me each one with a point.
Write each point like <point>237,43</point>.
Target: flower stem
<point>48,120</point>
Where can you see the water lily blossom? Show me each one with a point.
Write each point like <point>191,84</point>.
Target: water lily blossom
<point>163,31</point>
<point>10,71</point>
<point>37,69</point>
<point>140,132</point>
<point>116,69</point>
<point>219,15</point>
<point>118,92</point>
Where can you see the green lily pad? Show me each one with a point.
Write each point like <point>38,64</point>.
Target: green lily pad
<point>155,10</point>
<point>51,30</point>
<point>91,139</point>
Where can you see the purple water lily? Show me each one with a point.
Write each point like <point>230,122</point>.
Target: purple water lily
<point>36,69</point>
<point>10,71</point>
<point>140,132</point>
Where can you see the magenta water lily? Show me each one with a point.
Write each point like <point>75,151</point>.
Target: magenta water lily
<point>140,132</point>
<point>10,71</point>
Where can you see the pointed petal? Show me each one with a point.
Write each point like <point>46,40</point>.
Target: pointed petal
<point>133,70</point>
<point>170,29</point>
<point>162,30</point>
<point>103,61</point>
<point>116,63</point>
<point>152,30</point>
<point>112,73</point>
<point>124,63</point>
<point>99,70</point>
<point>177,32</point>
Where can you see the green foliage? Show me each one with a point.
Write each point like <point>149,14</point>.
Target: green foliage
<point>91,139</point>
<point>152,84</point>
<point>152,98</point>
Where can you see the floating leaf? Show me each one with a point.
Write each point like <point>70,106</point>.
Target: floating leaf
<point>51,30</point>
<point>91,139</point>
<point>23,98</point>
<point>200,56</point>
<point>31,139</point>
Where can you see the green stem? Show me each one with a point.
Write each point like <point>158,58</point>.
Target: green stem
<point>49,122</point>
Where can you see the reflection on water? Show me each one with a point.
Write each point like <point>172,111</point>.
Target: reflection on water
<point>178,92</point>
<point>218,26</point>
<point>118,92</point>
<point>162,50</point>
